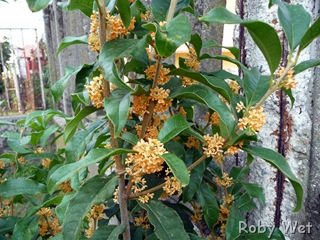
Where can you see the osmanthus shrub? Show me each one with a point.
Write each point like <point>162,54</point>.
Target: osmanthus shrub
<point>159,174</point>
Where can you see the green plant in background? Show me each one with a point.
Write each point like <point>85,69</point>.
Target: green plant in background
<point>159,175</point>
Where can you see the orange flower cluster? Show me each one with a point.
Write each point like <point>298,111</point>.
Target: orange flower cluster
<point>197,213</point>
<point>115,27</point>
<point>21,160</point>
<point>5,210</point>
<point>192,60</point>
<point>95,90</point>
<point>163,78</point>
<point>289,81</point>
<point>254,120</point>
<point>213,145</point>
<point>159,95</point>
<point>2,165</point>
<point>224,181</point>
<point>140,104</point>
<point>213,119</point>
<point>172,184</point>
<point>49,224</point>
<point>142,222</point>
<point>224,209</point>
<point>65,187</point>
<point>188,81</point>
<point>234,86</point>
<point>193,142</point>
<point>146,160</point>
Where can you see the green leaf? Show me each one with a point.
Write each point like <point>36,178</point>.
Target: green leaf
<point>58,88</point>
<point>208,202</point>
<point>62,207</point>
<point>117,109</point>
<point>263,34</point>
<point>68,41</point>
<point>37,5</point>
<point>295,21</point>
<point>130,137</point>
<point>79,142</point>
<point>178,168</point>
<point>84,6</point>
<point>112,50</point>
<point>306,65</point>
<point>278,161</point>
<point>174,34</point>
<point>216,84</point>
<point>72,126</point>
<point>254,190</point>
<point>94,191</point>
<point>47,133</point>
<point>172,127</point>
<point>26,228</point>
<point>195,182</point>
<point>125,13</point>
<point>160,8</point>
<point>46,114</point>
<point>65,172</point>
<point>7,224</point>
<point>210,43</point>
<point>255,86</point>
<point>167,223</point>
<point>111,231</point>
<point>312,33</point>
<point>4,122</point>
<point>234,219</point>
<point>290,95</point>
<point>13,187</point>
<point>206,96</point>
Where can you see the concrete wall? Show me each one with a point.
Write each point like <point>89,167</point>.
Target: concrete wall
<point>293,132</point>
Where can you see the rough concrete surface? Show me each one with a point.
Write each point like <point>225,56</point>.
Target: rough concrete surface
<point>302,132</point>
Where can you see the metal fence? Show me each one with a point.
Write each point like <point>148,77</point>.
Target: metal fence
<point>22,76</point>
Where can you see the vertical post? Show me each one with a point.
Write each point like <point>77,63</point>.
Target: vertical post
<point>15,79</point>
<point>5,79</point>
<point>64,98</point>
<point>40,73</point>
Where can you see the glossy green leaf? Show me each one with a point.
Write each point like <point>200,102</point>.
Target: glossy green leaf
<point>255,86</point>
<point>46,135</point>
<point>58,88</point>
<point>210,43</point>
<point>72,125</point>
<point>48,114</point>
<point>68,41</point>
<point>111,51</point>
<point>130,137</point>
<point>306,65</point>
<point>172,127</point>
<point>13,187</point>
<point>65,172</point>
<point>195,182</point>
<point>312,33</point>
<point>178,168</point>
<point>290,95</point>
<point>26,228</point>
<point>174,34</point>
<point>125,13</point>
<point>232,226</point>
<point>167,223</point>
<point>254,190</point>
<point>278,161</point>
<point>78,143</point>
<point>37,5</point>
<point>212,100</point>
<point>7,224</point>
<point>62,207</point>
<point>160,8</point>
<point>94,191</point>
<point>295,21</point>
<point>84,6</point>
<point>263,34</point>
<point>208,202</point>
<point>196,41</point>
<point>216,84</point>
<point>117,109</point>
<point>111,231</point>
